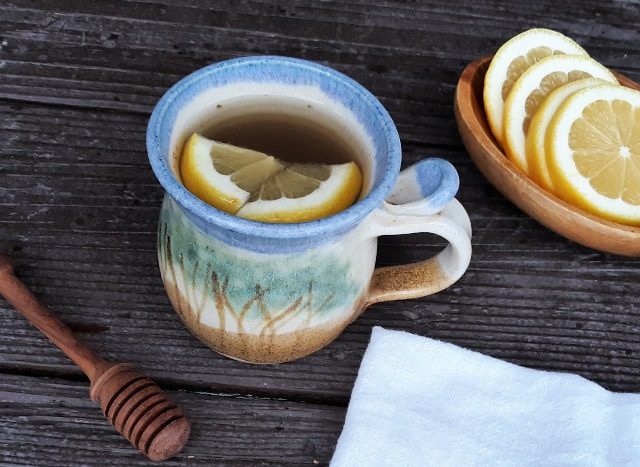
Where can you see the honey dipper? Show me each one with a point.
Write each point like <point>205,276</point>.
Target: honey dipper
<point>133,403</point>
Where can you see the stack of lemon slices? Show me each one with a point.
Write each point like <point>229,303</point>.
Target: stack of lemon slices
<point>563,119</point>
<point>260,187</point>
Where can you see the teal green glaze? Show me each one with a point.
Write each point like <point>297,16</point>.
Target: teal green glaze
<point>259,286</point>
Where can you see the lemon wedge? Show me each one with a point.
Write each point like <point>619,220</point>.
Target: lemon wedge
<point>257,186</point>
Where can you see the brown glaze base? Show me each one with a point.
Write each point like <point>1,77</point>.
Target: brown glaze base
<point>262,348</point>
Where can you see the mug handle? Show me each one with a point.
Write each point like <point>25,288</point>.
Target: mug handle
<point>422,200</point>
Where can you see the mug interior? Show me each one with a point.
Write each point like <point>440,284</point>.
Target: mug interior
<point>250,83</point>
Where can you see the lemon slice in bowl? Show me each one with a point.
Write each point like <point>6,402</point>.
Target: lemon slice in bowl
<point>535,139</point>
<point>530,90</point>
<point>512,59</point>
<point>260,187</point>
<point>593,151</point>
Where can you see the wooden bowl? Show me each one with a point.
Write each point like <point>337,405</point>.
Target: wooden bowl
<point>567,220</point>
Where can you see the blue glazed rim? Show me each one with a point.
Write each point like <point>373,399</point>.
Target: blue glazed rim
<point>179,95</point>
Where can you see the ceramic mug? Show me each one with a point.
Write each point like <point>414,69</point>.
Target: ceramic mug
<point>267,293</point>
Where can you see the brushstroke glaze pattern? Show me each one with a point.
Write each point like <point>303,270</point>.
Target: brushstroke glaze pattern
<point>220,289</point>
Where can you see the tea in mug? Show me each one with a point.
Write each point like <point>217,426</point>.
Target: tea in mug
<point>285,137</point>
<point>281,162</point>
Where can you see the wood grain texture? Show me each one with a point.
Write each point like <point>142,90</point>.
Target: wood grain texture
<point>79,206</point>
<point>47,422</point>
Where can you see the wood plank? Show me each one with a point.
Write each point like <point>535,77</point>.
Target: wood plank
<point>408,54</point>
<point>45,422</point>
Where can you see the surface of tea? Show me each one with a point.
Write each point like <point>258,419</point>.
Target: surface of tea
<point>292,138</point>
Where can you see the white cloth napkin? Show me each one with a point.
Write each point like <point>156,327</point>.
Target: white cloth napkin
<point>421,402</point>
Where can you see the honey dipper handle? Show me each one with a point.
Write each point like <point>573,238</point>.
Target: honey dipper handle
<point>16,293</point>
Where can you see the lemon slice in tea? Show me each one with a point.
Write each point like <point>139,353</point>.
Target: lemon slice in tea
<point>223,175</point>
<point>260,187</point>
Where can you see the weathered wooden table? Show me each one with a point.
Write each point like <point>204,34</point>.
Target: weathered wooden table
<point>79,206</point>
